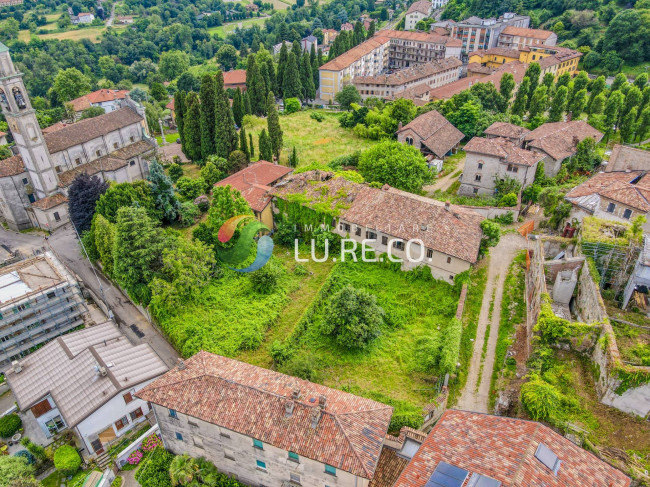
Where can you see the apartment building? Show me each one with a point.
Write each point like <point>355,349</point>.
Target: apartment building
<point>39,300</point>
<point>476,33</point>
<point>267,428</point>
<point>432,74</point>
<point>417,11</point>
<point>519,37</point>
<point>412,48</point>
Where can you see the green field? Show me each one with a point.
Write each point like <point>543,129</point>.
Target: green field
<point>314,141</point>
<point>225,29</point>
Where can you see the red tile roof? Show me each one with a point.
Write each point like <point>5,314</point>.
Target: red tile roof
<point>436,132</point>
<point>615,186</point>
<point>354,54</point>
<point>505,129</point>
<point>624,158</point>
<point>50,201</point>
<point>234,77</point>
<point>252,401</point>
<point>503,149</point>
<point>516,68</point>
<point>254,181</point>
<point>422,6</point>
<point>559,139</point>
<point>99,96</point>
<point>12,166</point>
<point>504,449</point>
<point>523,32</point>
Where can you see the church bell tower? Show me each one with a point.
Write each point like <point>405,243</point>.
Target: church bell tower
<point>21,118</point>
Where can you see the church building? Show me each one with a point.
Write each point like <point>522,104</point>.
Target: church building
<point>34,183</point>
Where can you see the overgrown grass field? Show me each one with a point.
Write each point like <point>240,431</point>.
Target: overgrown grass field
<point>314,141</point>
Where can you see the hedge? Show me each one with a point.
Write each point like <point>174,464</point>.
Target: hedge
<point>67,460</point>
<point>9,424</point>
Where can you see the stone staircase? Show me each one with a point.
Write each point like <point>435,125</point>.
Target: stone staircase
<point>93,479</point>
<point>103,460</point>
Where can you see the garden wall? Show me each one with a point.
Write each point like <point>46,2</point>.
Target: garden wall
<point>120,460</point>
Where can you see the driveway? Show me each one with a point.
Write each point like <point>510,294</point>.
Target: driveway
<point>65,245</point>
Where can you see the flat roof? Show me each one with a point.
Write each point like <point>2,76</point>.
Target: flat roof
<point>27,277</point>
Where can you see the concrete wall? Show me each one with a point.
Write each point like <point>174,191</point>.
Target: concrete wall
<point>234,454</point>
<point>123,456</point>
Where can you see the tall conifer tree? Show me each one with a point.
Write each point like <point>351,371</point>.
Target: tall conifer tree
<point>208,122</point>
<point>179,112</point>
<point>226,136</point>
<point>307,79</point>
<point>238,107</point>
<point>282,63</point>
<point>273,123</point>
<point>291,87</point>
<point>192,127</point>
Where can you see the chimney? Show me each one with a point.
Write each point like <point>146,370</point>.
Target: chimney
<point>576,140</point>
<point>315,417</point>
<point>322,401</point>
<point>399,126</point>
<point>447,205</point>
<point>295,395</point>
<point>181,364</point>
<point>17,368</point>
<point>288,408</point>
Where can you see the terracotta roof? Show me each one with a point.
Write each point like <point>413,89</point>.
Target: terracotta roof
<point>504,449</point>
<point>389,468</point>
<point>347,26</point>
<point>478,68</point>
<point>85,130</point>
<point>625,158</point>
<point>354,54</point>
<point>524,32</point>
<point>50,201</point>
<point>419,36</point>
<point>508,130</point>
<point>441,31</point>
<point>252,401</point>
<point>615,186</point>
<point>496,51</point>
<point>516,68</point>
<point>12,166</point>
<point>170,105</point>
<point>418,94</point>
<point>436,132</point>
<point>234,77</point>
<point>559,139</point>
<point>99,96</point>
<point>422,6</point>
<point>503,149</point>
<point>254,182</point>
<point>410,74</point>
<point>55,127</point>
<point>65,368</point>
<point>110,162</point>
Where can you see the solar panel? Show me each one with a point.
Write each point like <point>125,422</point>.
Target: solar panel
<point>446,475</point>
<point>545,455</point>
<point>479,480</point>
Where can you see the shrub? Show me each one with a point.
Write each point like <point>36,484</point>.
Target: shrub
<point>304,365</point>
<point>117,482</point>
<point>188,214</point>
<point>265,279</point>
<point>451,347</point>
<point>189,188</point>
<point>505,219</point>
<point>9,424</point>
<point>354,317</point>
<point>508,200</point>
<point>67,460</point>
<point>202,202</point>
<point>135,457</point>
<point>151,442</point>
<point>37,450</point>
<point>155,471</point>
<point>300,270</point>
<point>541,399</point>
<point>175,172</point>
<point>25,454</point>
<point>291,105</point>
<point>317,116</point>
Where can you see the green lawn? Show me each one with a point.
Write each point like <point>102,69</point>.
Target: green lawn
<point>170,137</point>
<point>223,30</point>
<point>57,479</point>
<point>314,141</point>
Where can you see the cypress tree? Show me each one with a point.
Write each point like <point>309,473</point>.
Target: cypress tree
<point>358,36</point>
<point>296,49</point>
<point>559,104</point>
<point>255,85</point>
<point>314,67</point>
<point>238,107</point>
<point>243,143</point>
<point>226,136</point>
<point>251,147</point>
<point>270,70</point>
<point>320,58</point>
<point>179,113</point>
<point>307,79</point>
<point>208,122</point>
<point>293,158</point>
<point>247,103</point>
<point>291,87</point>
<point>273,123</point>
<point>192,127</point>
<point>371,30</point>
<point>282,63</point>
<point>264,74</point>
<point>521,100</point>
<point>264,147</point>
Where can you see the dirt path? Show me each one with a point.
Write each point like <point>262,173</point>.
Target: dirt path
<point>475,395</point>
<point>444,182</point>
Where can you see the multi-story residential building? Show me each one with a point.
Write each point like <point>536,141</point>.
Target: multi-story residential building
<point>109,100</point>
<point>514,133</point>
<point>439,3</point>
<point>520,37</point>
<point>387,49</point>
<point>481,450</point>
<point>552,59</point>
<point>491,159</point>
<point>86,381</point>
<point>476,33</point>
<point>418,230</point>
<point>432,74</point>
<point>33,183</point>
<point>39,300</point>
<point>329,35</point>
<point>417,11</point>
<point>267,428</point>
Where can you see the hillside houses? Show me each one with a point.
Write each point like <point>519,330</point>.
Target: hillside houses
<point>432,134</point>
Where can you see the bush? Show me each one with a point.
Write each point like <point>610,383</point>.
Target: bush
<point>117,482</point>
<point>189,188</point>
<point>286,233</point>
<point>67,460</point>
<point>304,365</point>
<point>354,317</point>
<point>317,116</point>
<point>541,399</point>
<point>9,424</point>
<point>202,202</point>
<point>347,160</point>
<point>175,172</point>
<point>265,279</point>
<point>291,105</point>
<point>508,200</point>
<point>155,471</point>
<point>37,450</point>
<point>188,213</point>
<point>505,219</point>
<point>451,347</point>
<point>28,456</point>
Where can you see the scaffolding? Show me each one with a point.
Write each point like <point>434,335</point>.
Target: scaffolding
<point>615,264</point>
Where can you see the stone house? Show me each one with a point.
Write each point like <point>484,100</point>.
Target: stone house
<point>254,183</point>
<point>495,451</point>
<point>557,141</point>
<point>514,133</point>
<point>624,158</point>
<point>431,133</point>
<point>495,158</point>
<point>267,428</point>
<point>417,11</point>
<point>86,381</point>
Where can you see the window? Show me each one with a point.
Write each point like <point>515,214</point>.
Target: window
<point>357,231</point>
<point>260,465</point>
<point>429,254</point>
<point>371,235</point>
<point>131,163</point>
<point>172,414</point>
<point>295,478</point>
<point>330,470</point>
<point>258,444</point>
<point>224,435</point>
<point>480,165</point>
<point>132,139</point>
<point>77,161</point>
<point>512,168</point>
<point>136,414</point>
<point>398,244</point>
<point>477,177</point>
<point>115,145</point>
<point>627,214</point>
<point>98,153</point>
<point>179,436</point>
<point>475,191</point>
<point>345,227</point>
<point>121,423</point>
<point>448,260</point>
<point>127,398</point>
<point>384,240</point>
<point>57,217</point>
<point>25,181</point>
<point>228,455</point>
<point>409,140</point>
<point>31,198</point>
<point>294,457</point>
<point>611,207</point>
<point>51,295</point>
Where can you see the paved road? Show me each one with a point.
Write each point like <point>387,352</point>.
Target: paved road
<point>66,246</point>
<point>110,20</point>
<point>475,396</point>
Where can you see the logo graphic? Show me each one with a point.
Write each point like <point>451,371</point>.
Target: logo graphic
<point>240,251</point>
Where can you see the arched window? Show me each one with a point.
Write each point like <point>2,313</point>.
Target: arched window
<point>4,101</point>
<point>20,101</point>
<point>409,140</point>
